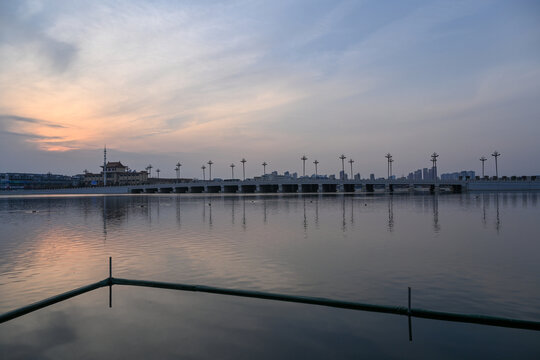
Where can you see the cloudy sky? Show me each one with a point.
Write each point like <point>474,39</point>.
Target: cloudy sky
<point>166,81</point>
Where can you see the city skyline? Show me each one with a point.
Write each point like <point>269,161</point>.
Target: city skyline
<point>164,82</point>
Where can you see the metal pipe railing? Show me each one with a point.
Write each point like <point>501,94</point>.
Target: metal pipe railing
<point>398,310</point>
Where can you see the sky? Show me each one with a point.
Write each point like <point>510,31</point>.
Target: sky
<point>161,82</point>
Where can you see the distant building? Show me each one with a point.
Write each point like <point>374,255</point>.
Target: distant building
<point>117,174</point>
<point>13,181</point>
<point>371,176</point>
<point>463,175</point>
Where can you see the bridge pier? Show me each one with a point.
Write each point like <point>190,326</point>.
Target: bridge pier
<point>305,188</point>
<point>329,188</point>
<point>268,188</point>
<point>434,188</point>
<point>196,189</point>
<point>389,188</point>
<point>347,188</point>
<point>248,189</point>
<point>212,189</point>
<point>289,188</point>
<point>230,189</point>
<point>370,188</point>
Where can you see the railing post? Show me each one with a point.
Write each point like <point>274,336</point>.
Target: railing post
<point>409,315</point>
<point>110,281</point>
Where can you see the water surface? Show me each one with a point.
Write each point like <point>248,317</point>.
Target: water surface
<point>467,253</point>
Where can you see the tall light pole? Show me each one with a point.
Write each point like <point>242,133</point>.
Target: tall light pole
<point>316,162</point>
<point>388,156</point>
<point>243,161</point>
<point>434,157</point>
<point>232,170</point>
<point>391,161</point>
<point>483,159</point>
<point>351,162</point>
<point>105,165</point>
<point>496,155</point>
<point>343,157</point>
<point>264,167</point>
<point>303,158</point>
<point>178,165</point>
<point>158,171</point>
<point>203,174</point>
<point>209,170</point>
<point>149,169</point>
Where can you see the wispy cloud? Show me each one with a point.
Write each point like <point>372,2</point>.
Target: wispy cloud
<point>6,119</point>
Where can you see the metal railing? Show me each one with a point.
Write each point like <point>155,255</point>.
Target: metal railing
<point>397,310</point>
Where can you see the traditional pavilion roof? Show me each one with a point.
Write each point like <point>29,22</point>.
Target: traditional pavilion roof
<point>115,164</point>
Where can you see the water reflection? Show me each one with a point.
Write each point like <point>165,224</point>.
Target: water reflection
<point>115,211</point>
<point>390,213</point>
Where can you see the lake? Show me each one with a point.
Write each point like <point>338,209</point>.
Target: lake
<point>471,253</point>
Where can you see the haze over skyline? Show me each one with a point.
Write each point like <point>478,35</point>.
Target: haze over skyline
<point>167,81</point>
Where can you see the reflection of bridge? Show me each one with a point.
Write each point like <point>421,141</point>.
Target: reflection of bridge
<point>302,185</point>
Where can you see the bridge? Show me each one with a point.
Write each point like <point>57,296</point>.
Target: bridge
<point>302,185</point>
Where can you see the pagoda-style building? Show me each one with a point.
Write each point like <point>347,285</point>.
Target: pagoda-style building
<point>116,174</point>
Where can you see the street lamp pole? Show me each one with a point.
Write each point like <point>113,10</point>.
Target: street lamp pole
<point>351,162</point>
<point>178,165</point>
<point>388,156</point>
<point>209,170</point>
<point>243,161</point>
<point>483,159</point>
<point>343,157</point>
<point>264,167</point>
<point>203,174</point>
<point>232,170</point>
<point>496,154</point>
<point>316,162</point>
<point>303,158</point>
<point>434,157</point>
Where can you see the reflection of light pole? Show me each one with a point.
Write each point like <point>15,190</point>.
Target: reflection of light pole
<point>343,157</point>
<point>158,171</point>
<point>434,157</point>
<point>351,162</point>
<point>483,159</point>
<point>303,158</point>
<point>496,155</point>
<point>203,174</point>
<point>232,170</point>
<point>209,170</point>
<point>316,162</point>
<point>243,161</point>
<point>264,167</point>
<point>389,157</point>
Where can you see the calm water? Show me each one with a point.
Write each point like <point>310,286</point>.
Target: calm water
<point>468,253</point>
